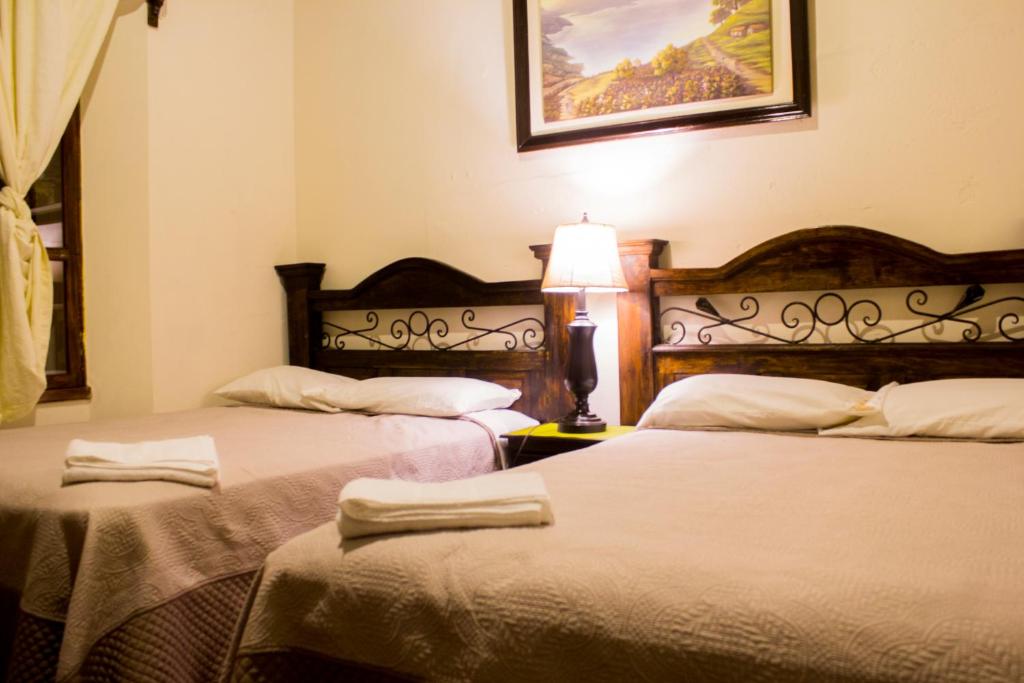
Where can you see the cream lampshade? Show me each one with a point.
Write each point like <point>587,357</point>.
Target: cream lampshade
<point>584,258</point>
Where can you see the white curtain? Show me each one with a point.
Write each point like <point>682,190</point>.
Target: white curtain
<point>47,49</point>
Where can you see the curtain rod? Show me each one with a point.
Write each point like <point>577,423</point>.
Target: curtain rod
<point>153,18</point>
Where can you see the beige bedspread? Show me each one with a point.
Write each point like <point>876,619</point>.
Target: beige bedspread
<point>683,557</point>
<point>92,555</point>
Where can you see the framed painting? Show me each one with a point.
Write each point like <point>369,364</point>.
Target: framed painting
<point>588,70</point>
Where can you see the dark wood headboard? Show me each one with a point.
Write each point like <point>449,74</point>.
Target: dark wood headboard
<point>826,259</point>
<point>533,364</point>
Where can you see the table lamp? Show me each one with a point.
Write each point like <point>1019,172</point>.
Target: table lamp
<point>584,258</point>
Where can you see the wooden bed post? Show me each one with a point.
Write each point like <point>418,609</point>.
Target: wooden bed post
<point>299,279</point>
<point>559,310</point>
<point>637,323</point>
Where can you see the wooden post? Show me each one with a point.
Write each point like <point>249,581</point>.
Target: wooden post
<point>559,310</point>
<point>637,321</point>
<point>304,324</point>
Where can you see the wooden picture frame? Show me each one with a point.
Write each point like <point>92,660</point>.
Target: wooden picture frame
<point>615,108</point>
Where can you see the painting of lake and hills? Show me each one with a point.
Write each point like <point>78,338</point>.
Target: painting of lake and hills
<point>603,57</point>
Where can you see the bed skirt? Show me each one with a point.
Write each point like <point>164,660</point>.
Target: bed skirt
<point>200,622</point>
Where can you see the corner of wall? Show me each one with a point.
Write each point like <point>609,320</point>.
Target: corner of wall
<point>115,227</point>
<point>222,207</point>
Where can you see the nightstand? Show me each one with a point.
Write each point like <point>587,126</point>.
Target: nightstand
<point>536,443</point>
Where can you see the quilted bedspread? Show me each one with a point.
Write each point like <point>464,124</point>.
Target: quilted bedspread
<point>103,572</point>
<point>682,557</point>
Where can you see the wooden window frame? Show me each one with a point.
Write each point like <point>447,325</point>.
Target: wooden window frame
<point>71,385</point>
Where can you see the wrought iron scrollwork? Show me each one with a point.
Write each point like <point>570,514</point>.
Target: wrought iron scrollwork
<point>859,318</point>
<point>419,325</point>
<point>337,339</point>
<point>532,336</point>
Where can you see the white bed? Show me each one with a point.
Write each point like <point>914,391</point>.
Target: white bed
<point>697,556</point>
<point>145,580</point>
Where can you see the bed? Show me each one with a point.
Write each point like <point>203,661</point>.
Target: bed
<point>711,555</point>
<point>145,580</point>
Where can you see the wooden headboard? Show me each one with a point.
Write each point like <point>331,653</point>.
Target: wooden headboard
<point>530,361</point>
<point>828,260</point>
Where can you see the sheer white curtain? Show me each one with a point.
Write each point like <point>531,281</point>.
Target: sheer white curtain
<point>47,49</point>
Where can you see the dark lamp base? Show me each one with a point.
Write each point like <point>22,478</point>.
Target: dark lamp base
<point>574,423</point>
<point>581,375</point>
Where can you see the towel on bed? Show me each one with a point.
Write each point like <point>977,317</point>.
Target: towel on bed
<point>192,460</point>
<point>381,506</point>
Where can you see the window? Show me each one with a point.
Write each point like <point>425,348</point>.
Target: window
<point>56,199</point>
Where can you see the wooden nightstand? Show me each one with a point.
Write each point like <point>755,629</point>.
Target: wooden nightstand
<point>536,443</point>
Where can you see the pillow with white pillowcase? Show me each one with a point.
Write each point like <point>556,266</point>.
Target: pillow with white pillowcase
<point>502,420</point>
<point>988,408</point>
<point>430,396</point>
<point>284,386</point>
<point>755,402</point>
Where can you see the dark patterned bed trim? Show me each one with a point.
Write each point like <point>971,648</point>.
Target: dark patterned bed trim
<point>201,622</point>
<point>294,664</point>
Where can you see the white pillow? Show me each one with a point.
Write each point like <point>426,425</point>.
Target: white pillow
<point>431,396</point>
<point>952,408</point>
<point>283,387</point>
<point>503,420</point>
<point>755,402</point>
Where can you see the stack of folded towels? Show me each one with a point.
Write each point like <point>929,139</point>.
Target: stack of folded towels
<point>191,460</point>
<point>383,506</point>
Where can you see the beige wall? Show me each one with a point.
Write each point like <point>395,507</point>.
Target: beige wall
<point>188,201</point>
<point>405,143</point>
<point>115,200</point>
<point>222,192</point>
<point>359,132</point>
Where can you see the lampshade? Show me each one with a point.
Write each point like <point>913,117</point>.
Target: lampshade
<point>584,255</point>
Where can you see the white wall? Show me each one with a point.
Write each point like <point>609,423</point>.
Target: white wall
<point>405,143</point>
<point>188,202</point>
<point>243,133</point>
<point>222,192</point>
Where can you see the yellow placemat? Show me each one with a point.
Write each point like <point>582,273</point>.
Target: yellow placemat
<point>551,429</point>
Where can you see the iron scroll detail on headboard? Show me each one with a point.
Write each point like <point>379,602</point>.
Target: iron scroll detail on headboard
<point>867,312</point>
<point>530,355</point>
<point>828,261</point>
<point>420,325</point>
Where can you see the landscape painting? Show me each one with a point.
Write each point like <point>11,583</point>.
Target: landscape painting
<point>608,56</point>
<point>591,69</point>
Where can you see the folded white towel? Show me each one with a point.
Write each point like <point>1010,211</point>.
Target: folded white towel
<point>191,460</point>
<point>380,506</point>
<point>81,475</point>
